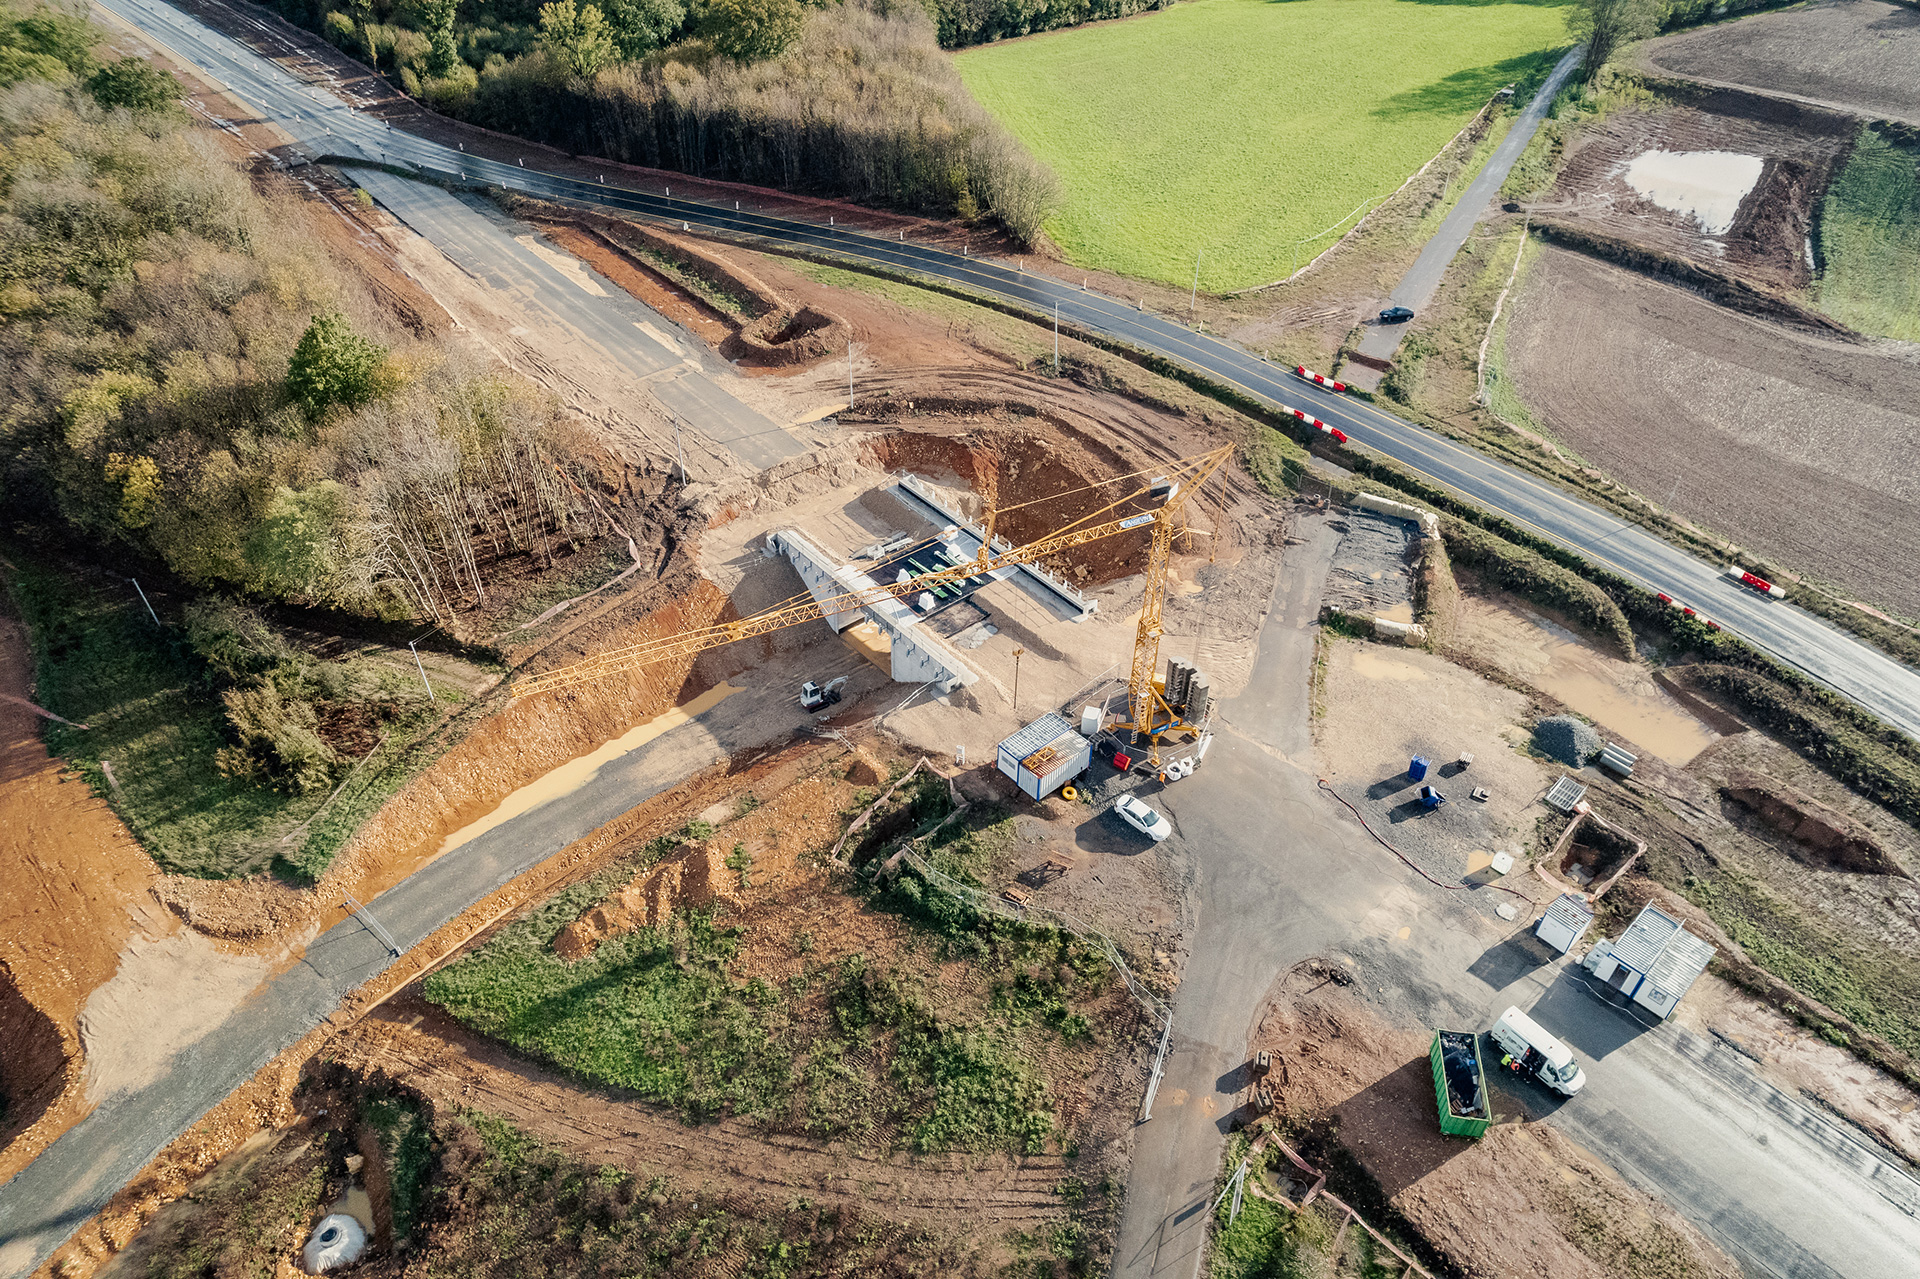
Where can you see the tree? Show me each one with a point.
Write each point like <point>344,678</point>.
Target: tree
<point>1605,25</point>
<point>295,549</point>
<point>436,19</point>
<point>135,84</point>
<point>641,26</point>
<point>752,30</point>
<point>334,365</point>
<point>577,36</point>
<point>60,36</point>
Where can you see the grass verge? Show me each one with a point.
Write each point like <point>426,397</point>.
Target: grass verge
<point>1870,238</point>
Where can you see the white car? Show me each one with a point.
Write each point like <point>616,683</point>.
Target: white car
<point>1143,819</point>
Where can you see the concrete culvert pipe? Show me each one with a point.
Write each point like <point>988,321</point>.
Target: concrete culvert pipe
<point>337,1241</point>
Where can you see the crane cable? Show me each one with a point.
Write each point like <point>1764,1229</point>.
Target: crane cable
<point>1452,888</point>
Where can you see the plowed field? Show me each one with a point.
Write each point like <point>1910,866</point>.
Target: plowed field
<point>1796,446</point>
<point>1859,55</point>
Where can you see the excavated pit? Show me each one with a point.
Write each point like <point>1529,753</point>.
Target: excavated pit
<point>33,1071</point>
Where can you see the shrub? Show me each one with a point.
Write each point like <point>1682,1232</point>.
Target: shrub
<point>334,365</point>
<point>1532,576</point>
<point>136,85</point>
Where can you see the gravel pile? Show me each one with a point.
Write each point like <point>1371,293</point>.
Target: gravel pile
<point>1571,741</point>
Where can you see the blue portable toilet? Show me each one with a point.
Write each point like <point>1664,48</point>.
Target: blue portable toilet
<point>1417,769</point>
<point>1431,797</point>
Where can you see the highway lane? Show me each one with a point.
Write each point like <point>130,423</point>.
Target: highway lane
<point>480,240</point>
<point>323,123</point>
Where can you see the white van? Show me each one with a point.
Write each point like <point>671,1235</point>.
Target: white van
<point>1529,1048</point>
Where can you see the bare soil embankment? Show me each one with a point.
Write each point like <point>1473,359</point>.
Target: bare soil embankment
<point>1795,446</point>
<point>1766,243</point>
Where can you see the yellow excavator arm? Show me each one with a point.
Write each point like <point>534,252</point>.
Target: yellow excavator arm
<point>1184,475</point>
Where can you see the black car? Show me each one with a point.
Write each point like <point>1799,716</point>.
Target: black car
<point>1396,315</point>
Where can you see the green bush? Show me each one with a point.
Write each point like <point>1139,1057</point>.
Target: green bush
<point>134,84</point>
<point>1533,577</point>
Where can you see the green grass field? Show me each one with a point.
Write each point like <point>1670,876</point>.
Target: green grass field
<point>1870,238</point>
<point>1235,128</point>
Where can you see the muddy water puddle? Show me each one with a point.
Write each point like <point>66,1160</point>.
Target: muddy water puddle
<point>1704,185</point>
<point>577,772</point>
<point>1619,696</point>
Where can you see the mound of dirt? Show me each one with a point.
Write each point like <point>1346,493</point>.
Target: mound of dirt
<point>694,876</point>
<point>34,1071</point>
<point>866,770</point>
<point>1571,741</point>
<point>764,850</point>
<point>1817,834</point>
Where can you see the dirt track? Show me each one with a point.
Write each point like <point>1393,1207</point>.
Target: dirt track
<point>415,1043</point>
<point>1798,447</point>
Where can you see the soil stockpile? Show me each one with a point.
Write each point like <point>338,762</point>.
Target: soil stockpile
<point>1571,741</point>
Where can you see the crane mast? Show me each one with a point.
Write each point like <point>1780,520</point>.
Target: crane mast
<point>1150,715</point>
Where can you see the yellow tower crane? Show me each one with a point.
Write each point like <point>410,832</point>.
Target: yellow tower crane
<point>1157,503</point>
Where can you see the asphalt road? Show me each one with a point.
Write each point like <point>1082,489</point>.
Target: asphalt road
<point>1417,286</point>
<point>1280,873</point>
<point>73,1179</point>
<point>478,239</point>
<point>325,124</point>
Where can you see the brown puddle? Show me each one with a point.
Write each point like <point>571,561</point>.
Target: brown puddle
<point>575,773</point>
<point>1619,696</point>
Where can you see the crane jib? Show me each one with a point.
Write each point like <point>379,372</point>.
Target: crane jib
<point>1135,521</point>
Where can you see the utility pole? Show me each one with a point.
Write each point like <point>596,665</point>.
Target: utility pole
<point>679,459</point>
<point>1056,339</point>
<point>1193,299</point>
<point>849,375</point>
<point>422,669</point>
<point>144,600</point>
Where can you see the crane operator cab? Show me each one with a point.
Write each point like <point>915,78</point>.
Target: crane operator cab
<point>1527,1048</point>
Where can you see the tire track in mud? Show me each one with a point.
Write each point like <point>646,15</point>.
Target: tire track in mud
<point>416,1044</point>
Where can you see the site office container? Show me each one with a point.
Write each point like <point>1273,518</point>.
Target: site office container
<point>1044,756</point>
<point>1456,1053</point>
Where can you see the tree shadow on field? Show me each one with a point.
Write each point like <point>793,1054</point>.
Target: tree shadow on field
<point>1463,91</point>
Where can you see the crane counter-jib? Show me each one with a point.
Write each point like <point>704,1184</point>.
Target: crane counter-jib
<point>1186,476</point>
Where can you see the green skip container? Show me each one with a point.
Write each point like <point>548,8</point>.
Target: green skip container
<point>1460,1083</point>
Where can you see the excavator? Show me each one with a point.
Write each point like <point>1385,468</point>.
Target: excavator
<point>1157,504</point>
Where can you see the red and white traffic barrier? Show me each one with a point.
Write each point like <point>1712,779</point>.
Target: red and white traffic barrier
<point>1306,374</point>
<point>1760,584</point>
<point>1317,424</point>
<point>1685,610</point>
